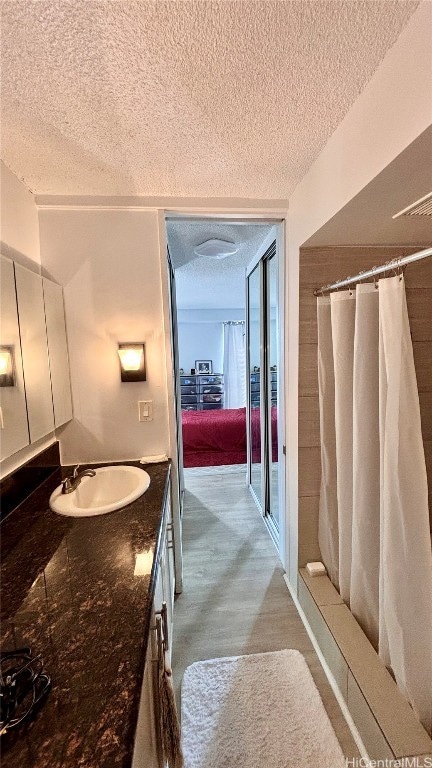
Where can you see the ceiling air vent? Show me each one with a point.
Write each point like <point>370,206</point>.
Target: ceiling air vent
<point>422,207</point>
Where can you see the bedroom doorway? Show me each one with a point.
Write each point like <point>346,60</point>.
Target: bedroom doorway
<point>209,260</point>
<point>263,360</point>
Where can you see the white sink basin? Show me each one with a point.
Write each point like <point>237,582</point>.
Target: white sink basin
<point>111,488</point>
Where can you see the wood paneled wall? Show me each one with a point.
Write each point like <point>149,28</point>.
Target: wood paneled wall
<point>320,266</point>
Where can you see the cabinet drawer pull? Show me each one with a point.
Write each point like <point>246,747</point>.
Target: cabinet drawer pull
<point>163,613</point>
<point>170,540</point>
<point>160,642</point>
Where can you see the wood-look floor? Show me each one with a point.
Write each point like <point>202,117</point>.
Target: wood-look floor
<point>235,600</point>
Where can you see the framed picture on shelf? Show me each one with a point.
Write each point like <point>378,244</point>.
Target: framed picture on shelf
<point>204,366</point>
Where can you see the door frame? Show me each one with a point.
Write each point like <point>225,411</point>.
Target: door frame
<point>278,536</point>
<point>176,377</point>
<point>239,217</point>
<point>252,266</point>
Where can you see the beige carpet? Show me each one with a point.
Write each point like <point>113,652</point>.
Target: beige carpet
<point>257,711</point>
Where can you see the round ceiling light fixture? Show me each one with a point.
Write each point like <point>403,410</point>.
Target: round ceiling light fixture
<point>216,249</point>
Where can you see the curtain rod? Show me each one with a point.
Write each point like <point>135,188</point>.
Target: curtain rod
<point>233,322</point>
<point>396,263</point>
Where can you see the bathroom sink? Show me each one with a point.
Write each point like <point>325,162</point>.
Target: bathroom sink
<point>111,488</point>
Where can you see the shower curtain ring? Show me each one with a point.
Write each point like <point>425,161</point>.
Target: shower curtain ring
<point>395,266</point>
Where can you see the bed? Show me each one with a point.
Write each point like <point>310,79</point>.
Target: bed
<point>215,437</point>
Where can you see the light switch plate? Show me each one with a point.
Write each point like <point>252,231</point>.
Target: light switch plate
<point>145,410</point>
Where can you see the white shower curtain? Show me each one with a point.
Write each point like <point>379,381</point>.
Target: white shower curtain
<point>234,365</point>
<point>328,529</point>
<point>366,464</point>
<point>342,319</point>
<point>405,610</point>
<point>385,556</point>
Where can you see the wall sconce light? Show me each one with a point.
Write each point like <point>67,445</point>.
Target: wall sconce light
<point>7,367</point>
<point>132,361</point>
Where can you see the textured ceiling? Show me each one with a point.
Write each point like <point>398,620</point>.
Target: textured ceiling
<point>197,98</point>
<point>205,283</point>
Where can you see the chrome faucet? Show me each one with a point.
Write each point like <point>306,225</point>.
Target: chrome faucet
<point>72,482</point>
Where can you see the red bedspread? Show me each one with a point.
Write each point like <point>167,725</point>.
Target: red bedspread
<point>212,438</point>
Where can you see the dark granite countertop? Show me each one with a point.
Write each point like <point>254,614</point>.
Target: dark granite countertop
<point>69,592</point>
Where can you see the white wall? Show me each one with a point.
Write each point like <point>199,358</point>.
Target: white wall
<point>394,108</point>
<point>19,220</point>
<point>109,265</point>
<point>200,341</point>
<point>200,333</point>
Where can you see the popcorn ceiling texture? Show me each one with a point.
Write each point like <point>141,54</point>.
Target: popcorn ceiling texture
<point>184,235</point>
<point>198,98</point>
<point>205,283</point>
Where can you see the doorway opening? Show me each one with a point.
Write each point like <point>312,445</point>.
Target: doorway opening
<point>226,327</point>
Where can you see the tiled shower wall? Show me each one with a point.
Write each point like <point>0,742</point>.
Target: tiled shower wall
<point>320,266</point>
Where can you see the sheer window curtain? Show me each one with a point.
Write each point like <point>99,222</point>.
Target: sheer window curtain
<point>374,455</point>
<point>234,365</point>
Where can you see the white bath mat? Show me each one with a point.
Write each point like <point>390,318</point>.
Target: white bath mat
<point>258,711</point>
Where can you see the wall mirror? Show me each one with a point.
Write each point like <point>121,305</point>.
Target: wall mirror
<point>37,397</point>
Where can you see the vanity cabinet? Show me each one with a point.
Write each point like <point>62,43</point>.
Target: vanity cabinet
<point>34,349</point>
<point>167,573</point>
<point>147,750</point>
<point>147,753</point>
<point>13,416</point>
